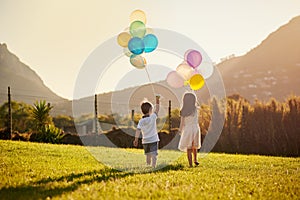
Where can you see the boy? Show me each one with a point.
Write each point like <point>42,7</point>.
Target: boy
<point>147,125</point>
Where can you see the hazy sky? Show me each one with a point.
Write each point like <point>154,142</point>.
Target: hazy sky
<point>55,37</point>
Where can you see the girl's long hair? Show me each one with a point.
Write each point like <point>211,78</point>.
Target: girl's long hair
<point>189,105</point>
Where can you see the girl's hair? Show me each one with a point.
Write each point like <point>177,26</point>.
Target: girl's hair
<point>189,105</point>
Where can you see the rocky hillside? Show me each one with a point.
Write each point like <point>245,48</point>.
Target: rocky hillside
<point>26,85</point>
<point>271,69</point>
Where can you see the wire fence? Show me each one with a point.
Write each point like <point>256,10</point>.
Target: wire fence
<point>124,114</point>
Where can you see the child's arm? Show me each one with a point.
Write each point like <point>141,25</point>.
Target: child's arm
<point>181,124</point>
<point>157,105</point>
<point>137,135</point>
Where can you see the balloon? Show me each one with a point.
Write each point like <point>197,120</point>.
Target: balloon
<point>150,42</point>
<point>196,82</point>
<point>185,71</point>
<point>185,54</point>
<point>123,39</point>
<point>127,52</point>
<point>206,69</point>
<point>138,15</point>
<point>136,45</point>
<point>174,79</point>
<point>194,58</point>
<point>137,29</point>
<point>138,61</point>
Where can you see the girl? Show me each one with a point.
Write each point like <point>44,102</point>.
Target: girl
<point>190,140</point>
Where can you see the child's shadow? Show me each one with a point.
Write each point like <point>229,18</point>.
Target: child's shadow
<point>44,188</point>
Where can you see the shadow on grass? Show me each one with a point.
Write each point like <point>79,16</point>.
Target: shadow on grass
<point>52,187</point>
<point>173,167</point>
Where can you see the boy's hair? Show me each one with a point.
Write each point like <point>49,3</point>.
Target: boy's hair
<point>145,107</point>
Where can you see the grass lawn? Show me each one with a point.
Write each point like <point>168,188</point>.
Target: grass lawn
<point>46,171</point>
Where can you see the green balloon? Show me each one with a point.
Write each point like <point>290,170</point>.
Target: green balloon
<point>137,29</point>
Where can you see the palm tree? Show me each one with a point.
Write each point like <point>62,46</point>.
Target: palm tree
<point>45,130</point>
<point>41,114</point>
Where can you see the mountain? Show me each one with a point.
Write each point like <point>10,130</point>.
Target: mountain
<point>122,102</point>
<point>26,86</point>
<point>271,69</point>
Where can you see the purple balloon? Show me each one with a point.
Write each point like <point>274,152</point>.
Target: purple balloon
<point>194,58</point>
<point>186,53</point>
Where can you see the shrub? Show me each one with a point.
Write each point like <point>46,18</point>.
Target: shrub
<point>48,134</point>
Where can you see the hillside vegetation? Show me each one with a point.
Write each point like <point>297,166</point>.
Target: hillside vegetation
<point>265,128</point>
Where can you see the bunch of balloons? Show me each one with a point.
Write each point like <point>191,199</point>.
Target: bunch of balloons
<point>187,72</point>
<point>137,40</point>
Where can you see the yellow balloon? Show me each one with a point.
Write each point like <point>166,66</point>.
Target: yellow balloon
<point>196,82</point>
<point>123,39</point>
<point>138,15</point>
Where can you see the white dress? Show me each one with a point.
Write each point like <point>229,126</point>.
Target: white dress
<point>191,134</point>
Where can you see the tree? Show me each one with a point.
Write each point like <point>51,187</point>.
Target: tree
<point>21,121</point>
<point>62,121</point>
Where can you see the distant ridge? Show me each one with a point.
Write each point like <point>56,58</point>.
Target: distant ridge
<point>272,69</point>
<point>26,85</point>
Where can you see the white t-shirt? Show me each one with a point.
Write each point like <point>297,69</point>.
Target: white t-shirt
<point>148,127</point>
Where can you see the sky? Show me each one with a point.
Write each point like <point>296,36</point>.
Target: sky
<point>56,37</point>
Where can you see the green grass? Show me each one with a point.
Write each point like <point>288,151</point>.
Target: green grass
<point>41,171</point>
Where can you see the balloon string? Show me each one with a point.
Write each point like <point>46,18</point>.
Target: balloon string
<point>150,81</point>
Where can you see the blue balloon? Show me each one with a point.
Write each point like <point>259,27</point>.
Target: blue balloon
<point>150,42</point>
<point>136,45</point>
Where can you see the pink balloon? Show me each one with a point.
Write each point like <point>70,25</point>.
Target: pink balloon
<point>175,80</point>
<point>194,58</point>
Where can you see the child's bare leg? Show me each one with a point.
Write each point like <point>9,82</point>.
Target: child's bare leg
<point>148,159</point>
<point>154,159</point>
<point>189,156</point>
<point>195,154</point>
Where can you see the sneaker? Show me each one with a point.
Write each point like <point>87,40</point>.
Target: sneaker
<point>196,163</point>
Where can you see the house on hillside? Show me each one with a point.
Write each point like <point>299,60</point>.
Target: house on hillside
<point>88,127</point>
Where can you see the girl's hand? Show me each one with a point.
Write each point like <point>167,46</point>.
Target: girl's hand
<point>135,143</point>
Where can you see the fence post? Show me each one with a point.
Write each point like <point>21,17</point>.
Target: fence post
<point>132,118</point>
<point>96,115</point>
<point>9,113</point>
<point>170,121</point>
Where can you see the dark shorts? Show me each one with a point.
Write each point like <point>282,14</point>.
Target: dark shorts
<point>151,148</point>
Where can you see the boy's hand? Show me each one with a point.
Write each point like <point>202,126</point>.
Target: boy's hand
<point>157,98</point>
<point>135,142</point>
